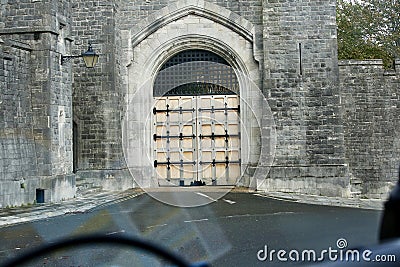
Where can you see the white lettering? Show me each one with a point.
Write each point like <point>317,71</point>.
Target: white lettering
<point>355,255</point>
<point>321,258</point>
<point>291,255</point>
<point>271,254</point>
<point>261,252</point>
<point>309,253</point>
<point>331,257</point>
<point>281,255</point>
<point>366,255</point>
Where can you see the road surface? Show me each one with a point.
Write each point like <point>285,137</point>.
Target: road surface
<point>229,231</point>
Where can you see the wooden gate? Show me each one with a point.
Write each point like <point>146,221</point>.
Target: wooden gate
<point>197,138</point>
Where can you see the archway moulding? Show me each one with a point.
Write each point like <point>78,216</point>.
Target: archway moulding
<point>184,8</point>
<point>194,41</point>
<point>145,66</point>
<point>183,26</point>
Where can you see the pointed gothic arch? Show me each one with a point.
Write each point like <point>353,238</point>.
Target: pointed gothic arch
<point>184,8</point>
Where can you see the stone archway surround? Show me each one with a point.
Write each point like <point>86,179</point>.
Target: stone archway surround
<point>171,30</point>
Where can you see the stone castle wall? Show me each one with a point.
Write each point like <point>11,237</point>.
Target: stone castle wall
<point>301,86</point>
<point>18,164</point>
<point>336,122</point>
<point>97,96</point>
<point>36,103</point>
<point>371,118</point>
<point>308,123</point>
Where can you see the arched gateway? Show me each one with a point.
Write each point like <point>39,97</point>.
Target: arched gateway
<point>194,107</point>
<point>196,120</point>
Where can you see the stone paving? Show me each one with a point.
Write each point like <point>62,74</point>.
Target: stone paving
<point>93,200</point>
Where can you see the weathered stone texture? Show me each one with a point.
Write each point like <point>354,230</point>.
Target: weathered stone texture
<point>27,16</point>
<point>17,151</point>
<point>371,117</point>
<point>132,12</point>
<point>301,85</point>
<point>36,102</point>
<point>94,89</point>
<point>97,96</point>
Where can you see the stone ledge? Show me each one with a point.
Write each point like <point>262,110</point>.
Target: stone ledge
<point>368,62</point>
<point>85,203</point>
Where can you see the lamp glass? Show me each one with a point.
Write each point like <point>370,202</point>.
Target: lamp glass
<point>90,57</point>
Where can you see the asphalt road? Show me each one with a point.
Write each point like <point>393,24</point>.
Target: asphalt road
<point>227,232</point>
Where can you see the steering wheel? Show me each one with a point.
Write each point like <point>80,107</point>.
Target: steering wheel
<point>101,239</point>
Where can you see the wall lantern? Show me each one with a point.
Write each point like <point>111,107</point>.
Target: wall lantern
<point>89,57</point>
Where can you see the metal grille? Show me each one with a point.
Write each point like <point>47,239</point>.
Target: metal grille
<point>197,89</point>
<point>194,73</point>
<point>193,55</point>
